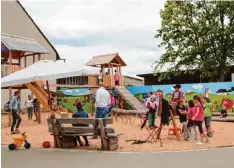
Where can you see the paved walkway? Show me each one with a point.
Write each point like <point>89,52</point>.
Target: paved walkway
<point>211,158</point>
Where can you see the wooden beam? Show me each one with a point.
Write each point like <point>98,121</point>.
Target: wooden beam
<point>28,55</point>
<point>74,86</point>
<point>7,63</point>
<point>115,64</point>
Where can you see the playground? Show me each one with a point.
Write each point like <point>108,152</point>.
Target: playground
<point>38,133</point>
<point>123,132</point>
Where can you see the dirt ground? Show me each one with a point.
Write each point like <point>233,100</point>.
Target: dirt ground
<point>38,133</point>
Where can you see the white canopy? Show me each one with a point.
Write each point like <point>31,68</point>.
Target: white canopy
<point>42,70</point>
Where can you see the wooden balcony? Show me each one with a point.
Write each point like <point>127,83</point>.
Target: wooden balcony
<point>6,70</point>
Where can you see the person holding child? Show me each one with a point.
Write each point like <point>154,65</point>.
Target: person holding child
<point>80,113</point>
<point>207,115</point>
<point>182,112</point>
<point>152,107</point>
<point>198,118</point>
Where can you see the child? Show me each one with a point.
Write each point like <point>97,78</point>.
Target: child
<point>36,107</point>
<point>207,115</point>
<point>29,107</point>
<point>181,111</point>
<point>177,94</point>
<point>223,111</point>
<point>81,114</point>
<point>152,107</point>
<point>100,77</point>
<point>112,103</point>
<point>116,77</point>
<point>191,113</point>
<point>199,117</point>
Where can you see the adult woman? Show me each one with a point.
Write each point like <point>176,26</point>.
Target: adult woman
<point>14,107</point>
<point>198,118</point>
<point>29,107</point>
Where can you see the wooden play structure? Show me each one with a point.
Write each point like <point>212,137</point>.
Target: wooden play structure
<point>107,63</point>
<point>15,52</point>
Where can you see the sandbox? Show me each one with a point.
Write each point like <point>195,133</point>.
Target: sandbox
<point>38,133</point>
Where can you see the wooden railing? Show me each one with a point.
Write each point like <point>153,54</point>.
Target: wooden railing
<point>6,70</point>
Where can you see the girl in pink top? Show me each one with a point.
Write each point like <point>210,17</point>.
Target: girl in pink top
<point>112,103</point>
<point>116,77</point>
<point>199,116</point>
<point>191,113</point>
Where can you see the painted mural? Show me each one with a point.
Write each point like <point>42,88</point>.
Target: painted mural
<point>71,95</point>
<point>219,93</point>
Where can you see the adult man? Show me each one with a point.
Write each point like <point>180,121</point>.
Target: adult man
<point>14,107</point>
<point>102,102</point>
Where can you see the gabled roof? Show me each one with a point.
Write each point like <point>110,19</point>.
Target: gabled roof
<point>57,55</point>
<point>106,59</point>
<point>17,43</point>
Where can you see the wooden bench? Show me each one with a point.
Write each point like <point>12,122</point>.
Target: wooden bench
<point>63,131</point>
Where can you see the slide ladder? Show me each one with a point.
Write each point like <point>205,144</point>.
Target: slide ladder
<point>131,99</point>
<point>42,96</point>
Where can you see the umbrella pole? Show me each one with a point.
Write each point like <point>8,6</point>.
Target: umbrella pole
<point>48,89</point>
<point>52,114</point>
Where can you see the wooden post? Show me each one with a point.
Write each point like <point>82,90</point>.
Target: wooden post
<point>33,63</point>
<point>10,89</point>
<point>19,60</point>
<point>102,132</point>
<point>91,104</point>
<point>174,124</point>
<point>39,113</point>
<point>39,57</point>
<point>10,66</point>
<point>33,58</point>
<point>25,62</point>
<point>48,88</point>
<point>52,116</point>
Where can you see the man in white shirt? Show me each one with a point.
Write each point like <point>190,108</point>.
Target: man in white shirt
<point>102,102</point>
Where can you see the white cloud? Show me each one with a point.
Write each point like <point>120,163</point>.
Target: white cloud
<point>126,27</point>
<point>198,87</point>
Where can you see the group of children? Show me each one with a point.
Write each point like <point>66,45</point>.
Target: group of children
<point>191,114</point>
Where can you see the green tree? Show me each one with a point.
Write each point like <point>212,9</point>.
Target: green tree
<point>197,34</point>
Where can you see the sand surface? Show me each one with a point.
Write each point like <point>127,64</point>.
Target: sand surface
<point>38,133</point>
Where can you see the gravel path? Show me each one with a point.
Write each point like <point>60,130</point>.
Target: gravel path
<point>37,134</point>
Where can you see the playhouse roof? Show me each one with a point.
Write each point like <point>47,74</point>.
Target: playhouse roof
<point>106,59</point>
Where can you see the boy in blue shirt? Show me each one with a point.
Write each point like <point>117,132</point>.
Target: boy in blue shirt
<point>81,114</point>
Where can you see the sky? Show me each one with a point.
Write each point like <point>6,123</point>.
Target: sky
<point>84,28</point>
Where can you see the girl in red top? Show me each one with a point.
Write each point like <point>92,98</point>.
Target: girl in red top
<point>198,118</point>
<point>152,107</point>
